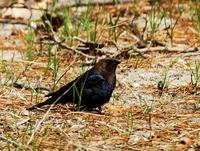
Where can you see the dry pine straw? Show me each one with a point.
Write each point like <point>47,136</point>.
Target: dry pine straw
<point>175,128</point>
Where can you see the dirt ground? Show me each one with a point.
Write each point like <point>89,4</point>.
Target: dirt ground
<point>156,102</point>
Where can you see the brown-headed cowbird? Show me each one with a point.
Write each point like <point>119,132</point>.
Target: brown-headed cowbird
<point>90,90</point>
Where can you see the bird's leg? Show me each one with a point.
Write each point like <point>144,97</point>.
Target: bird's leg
<point>81,109</point>
<point>100,110</point>
<point>97,110</point>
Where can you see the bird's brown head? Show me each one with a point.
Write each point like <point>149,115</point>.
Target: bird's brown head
<point>107,68</point>
<point>107,64</point>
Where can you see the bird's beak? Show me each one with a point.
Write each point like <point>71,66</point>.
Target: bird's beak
<point>116,62</point>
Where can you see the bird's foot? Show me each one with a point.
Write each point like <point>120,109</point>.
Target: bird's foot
<point>95,110</point>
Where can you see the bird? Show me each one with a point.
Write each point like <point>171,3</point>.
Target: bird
<point>88,91</point>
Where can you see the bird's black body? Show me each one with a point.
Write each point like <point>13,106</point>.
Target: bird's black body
<point>90,90</point>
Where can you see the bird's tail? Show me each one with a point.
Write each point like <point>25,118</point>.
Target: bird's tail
<point>47,102</point>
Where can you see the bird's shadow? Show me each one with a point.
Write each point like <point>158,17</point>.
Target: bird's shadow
<point>72,109</point>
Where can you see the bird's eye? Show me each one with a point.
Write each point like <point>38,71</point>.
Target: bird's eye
<point>108,61</point>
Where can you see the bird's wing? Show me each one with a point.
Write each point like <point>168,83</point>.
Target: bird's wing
<point>96,91</point>
<point>94,80</point>
<point>78,81</point>
<point>94,84</point>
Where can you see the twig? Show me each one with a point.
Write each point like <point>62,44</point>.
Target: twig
<point>189,54</point>
<point>79,39</point>
<point>63,45</point>
<point>167,49</point>
<point>87,113</point>
<point>113,43</point>
<point>21,85</point>
<point>57,41</point>
<point>89,44</point>
<point>89,3</point>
